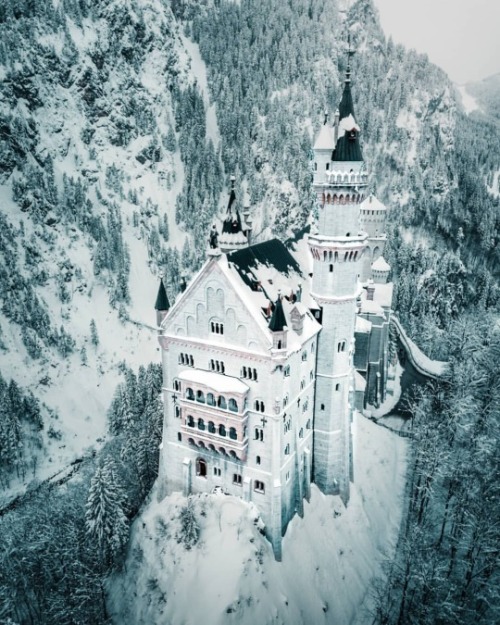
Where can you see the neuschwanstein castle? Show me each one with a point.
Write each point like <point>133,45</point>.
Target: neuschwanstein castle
<point>269,350</point>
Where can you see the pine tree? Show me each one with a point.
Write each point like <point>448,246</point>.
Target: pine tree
<point>105,519</point>
<point>94,337</point>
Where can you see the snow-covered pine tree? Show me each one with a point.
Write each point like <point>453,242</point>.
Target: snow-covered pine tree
<point>105,519</point>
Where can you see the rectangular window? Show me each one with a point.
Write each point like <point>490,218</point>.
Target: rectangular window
<point>217,472</point>
<point>258,486</point>
<point>237,479</point>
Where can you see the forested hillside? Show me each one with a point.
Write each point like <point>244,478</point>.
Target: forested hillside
<point>120,123</point>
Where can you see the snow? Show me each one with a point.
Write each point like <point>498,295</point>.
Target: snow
<point>363,325</point>
<point>381,264</point>
<point>468,101</point>
<point>325,138</point>
<point>434,368</point>
<point>199,71</point>
<point>330,557</point>
<point>372,203</point>
<point>218,382</point>
<point>494,190</point>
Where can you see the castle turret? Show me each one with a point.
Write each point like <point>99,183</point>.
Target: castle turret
<point>337,249</point>
<point>162,305</point>
<point>278,325</point>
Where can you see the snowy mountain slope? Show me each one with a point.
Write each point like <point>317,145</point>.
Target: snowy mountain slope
<point>86,191</point>
<point>230,576</point>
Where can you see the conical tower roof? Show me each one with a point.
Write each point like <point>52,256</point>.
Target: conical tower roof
<point>278,319</point>
<point>162,302</point>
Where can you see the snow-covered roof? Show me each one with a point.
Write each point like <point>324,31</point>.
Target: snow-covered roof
<point>371,307</point>
<point>382,294</point>
<point>325,139</point>
<point>347,124</point>
<point>381,264</point>
<point>216,381</point>
<point>363,325</point>
<point>372,203</point>
<point>262,272</point>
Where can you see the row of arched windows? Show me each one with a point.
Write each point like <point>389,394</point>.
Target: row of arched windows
<point>248,373</point>
<point>186,359</point>
<point>327,198</point>
<point>217,365</point>
<point>212,400</point>
<point>329,255</point>
<point>259,406</point>
<point>217,328</point>
<point>220,429</point>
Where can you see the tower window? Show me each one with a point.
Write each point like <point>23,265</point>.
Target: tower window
<point>327,166</point>
<point>217,472</point>
<point>259,434</point>
<point>337,387</point>
<point>322,406</point>
<point>341,346</point>
<point>331,268</point>
<point>315,166</point>
<point>237,479</point>
<point>258,486</point>
<point>257,460</point>
<point>179,437</point>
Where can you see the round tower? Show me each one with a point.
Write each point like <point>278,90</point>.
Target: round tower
<point>337,249</point>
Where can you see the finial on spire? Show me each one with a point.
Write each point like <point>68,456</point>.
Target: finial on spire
<point>350,52</point>
<point>233,178</point>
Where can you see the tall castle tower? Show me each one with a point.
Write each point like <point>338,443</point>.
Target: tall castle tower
<point>337,249</point>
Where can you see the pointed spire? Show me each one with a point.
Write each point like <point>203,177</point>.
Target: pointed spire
<point>162,304</point>
<point>278,319</point>
<point>326,117</point>
<point>346,106</point>
<point>232,222</point>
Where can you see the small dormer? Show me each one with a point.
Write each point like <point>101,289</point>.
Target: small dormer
<point>297,319</point>
<point>278,325</point>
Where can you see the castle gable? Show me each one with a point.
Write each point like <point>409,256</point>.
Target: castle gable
<point>213,309</point>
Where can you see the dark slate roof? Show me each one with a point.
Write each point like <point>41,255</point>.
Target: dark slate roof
<point>278,319</point>
<point>272,253</point>
<point>232,222</point>
<point>346,106</point>
<point>348,148</point>
<point>162,302</point>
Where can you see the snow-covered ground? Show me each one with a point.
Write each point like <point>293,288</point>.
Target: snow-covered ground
<point>330,557</point>
<point>469,102</point>
<point>434,368</point>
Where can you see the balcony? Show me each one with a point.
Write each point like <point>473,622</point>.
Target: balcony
<point>214,442</point>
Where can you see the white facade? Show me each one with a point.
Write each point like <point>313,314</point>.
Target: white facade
<point>259,403</point>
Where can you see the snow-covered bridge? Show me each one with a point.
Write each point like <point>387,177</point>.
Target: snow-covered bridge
<point>434,369</point>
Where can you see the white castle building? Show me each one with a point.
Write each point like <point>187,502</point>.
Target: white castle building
<point>262,366</point>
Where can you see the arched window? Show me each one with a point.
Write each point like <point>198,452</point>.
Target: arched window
<point>190,394</point>
<point>191,441</point>
<point>221,402</point>
<point>287,449</point>
<point>328,199</point>
<point>211,427</point>
<point>315,166</point>
<point>232,453</point>
<point>257,460</point>
<point>177,385</point>
<point>304,356</point>
<point>341,346</point>
<point>233,406</point>
<point>201,467</point>
<point>201,424</point>
<point>322,406</point>
<point>200,397</point>
<point>331,268</point>
<point>232,434</point>
<point>222,430</point>
<point>210,399</point>
<point>177,412</point>
<point>301,433</point>
<point>190,421</point>
<point>337,387</point>
<point>308,424</point>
